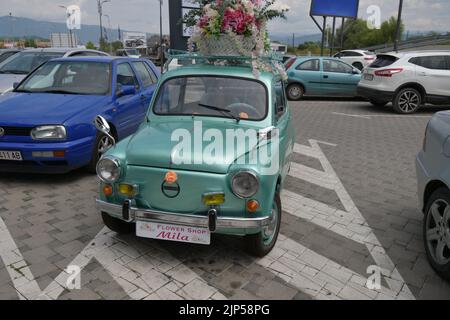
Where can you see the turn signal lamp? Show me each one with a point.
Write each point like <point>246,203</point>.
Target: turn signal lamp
<point>214,199</point>
<point>108,190</point>
<point>252,206</point>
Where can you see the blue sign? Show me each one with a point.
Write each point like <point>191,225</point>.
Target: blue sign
<point>335,8</point>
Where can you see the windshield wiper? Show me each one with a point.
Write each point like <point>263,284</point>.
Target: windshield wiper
<point>223,110</point>
<point>58,91</point>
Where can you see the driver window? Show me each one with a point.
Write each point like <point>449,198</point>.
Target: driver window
<point>126,76</point>
<point>280,103</point>
<point>336,66</point>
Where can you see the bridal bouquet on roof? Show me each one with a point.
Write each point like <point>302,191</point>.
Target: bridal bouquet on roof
<point>233,27</point>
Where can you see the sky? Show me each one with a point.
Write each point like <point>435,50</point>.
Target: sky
<point>143,15</point>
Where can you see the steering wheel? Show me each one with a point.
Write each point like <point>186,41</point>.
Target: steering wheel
<point>240,107</point>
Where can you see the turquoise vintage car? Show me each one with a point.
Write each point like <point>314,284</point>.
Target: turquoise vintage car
<point>321,76</point>
<point>211,157</point>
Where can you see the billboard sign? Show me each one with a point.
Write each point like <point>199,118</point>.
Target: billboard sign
<point>333,8</point>
<point>186,7</point>
<point>73,17</point>
<point>137,40</point>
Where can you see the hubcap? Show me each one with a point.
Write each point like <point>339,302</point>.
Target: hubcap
<point>438,232</point>
<point>295,91</point>
<point>409,101</point>
<point>104,145</point>
<point>270,231</point>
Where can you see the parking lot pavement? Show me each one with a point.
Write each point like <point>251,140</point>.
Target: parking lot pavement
<point>350,204</point>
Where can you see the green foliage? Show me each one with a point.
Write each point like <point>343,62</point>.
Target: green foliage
<point>117,45</point>
<point>358,35</point>
<point>90,46</point>
<point>30,43</point>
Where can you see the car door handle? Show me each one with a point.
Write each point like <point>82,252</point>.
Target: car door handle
<point>325,77</point>
<point>423,74</point>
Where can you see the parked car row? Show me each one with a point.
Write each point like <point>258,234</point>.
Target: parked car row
<point>408,80</point>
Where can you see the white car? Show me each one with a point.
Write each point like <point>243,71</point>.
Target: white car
<point>408,80</point>
<point>357,58</point>
<point>17,67</point>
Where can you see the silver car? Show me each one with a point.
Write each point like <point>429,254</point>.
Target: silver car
<point>433,172</point>
<point>17,67</point>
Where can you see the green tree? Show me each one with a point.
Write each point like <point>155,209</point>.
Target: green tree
<point>116,45</point>
<point>30,43</point>
<point>90,46</point>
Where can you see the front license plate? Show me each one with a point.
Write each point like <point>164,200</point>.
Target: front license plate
<point>168,232</point>
<point>11,155</point>
<point>368,77</point>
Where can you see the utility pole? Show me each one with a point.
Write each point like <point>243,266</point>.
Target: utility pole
<point>399,26</point>
<point>293,41</point>
<point>109,33</point>
<point>161,49</point>
<point>70,30</point>
<point>100,13</point>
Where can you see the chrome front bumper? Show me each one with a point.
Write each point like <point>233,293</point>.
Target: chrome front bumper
<point>132,214</point>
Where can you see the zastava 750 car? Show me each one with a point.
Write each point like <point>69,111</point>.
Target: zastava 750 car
<point>211,157</point>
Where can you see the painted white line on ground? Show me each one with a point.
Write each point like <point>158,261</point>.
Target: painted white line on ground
<point>21,276</point>
<point>140,269</point>
<point>355,228</point>
<point>370,117</point>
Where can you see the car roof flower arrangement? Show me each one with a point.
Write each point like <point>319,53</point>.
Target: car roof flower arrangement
<point>230,28</point>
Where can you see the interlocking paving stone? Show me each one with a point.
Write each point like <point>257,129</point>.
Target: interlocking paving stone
<point>320,255</point>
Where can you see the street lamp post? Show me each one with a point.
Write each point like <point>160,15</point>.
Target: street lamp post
<point>109,34</point>
<point>70,30</point>
<point>399,26</point>
<point>161,35</point>
<point>100,13</point>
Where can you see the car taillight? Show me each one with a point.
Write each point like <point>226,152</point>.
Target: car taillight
<point>388,72</point>
<point>290,63</point>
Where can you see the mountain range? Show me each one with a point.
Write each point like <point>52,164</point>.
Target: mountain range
<point>16,27</point>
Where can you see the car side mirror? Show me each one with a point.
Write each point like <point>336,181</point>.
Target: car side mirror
<point>103,126</point>
<point>16,85</point>
<point>356,71</point>
<point>125,90</point>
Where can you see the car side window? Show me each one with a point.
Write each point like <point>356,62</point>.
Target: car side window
<point>281,101</point>
<point>336,66</point>
<point>431,62</point>
<point>146,78</point>
<point>310,65</point>
<point>151,72</point>
<point>126,76</point>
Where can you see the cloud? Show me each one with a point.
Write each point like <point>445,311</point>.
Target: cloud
<point>143,15</point>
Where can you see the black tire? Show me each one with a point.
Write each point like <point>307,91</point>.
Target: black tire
<point>439,200</point>
<point>96,154</point>
<point>377,103</point>
<point>295,91</point>
<point>358,65</point>
<point>118,226</point>
<point>256,244</point>
<point>407,101</point>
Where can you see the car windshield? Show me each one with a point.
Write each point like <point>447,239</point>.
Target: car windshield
<point>69,77</point>
<point>132,52</point>
<point>25,62</point>
<point>211,96</point>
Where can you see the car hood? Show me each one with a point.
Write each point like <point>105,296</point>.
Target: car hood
<point>7,81</point>
<point>29,109</point>
<point>153,146</point>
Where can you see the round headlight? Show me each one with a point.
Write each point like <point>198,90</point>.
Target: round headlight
<point>245,184</point>
<point>108,170</point>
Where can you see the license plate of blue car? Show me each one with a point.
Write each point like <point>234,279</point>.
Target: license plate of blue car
<point>176,233</point>
<point>11,155</point>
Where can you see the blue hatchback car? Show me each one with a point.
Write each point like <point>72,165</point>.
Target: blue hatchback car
<point>321,76</point>
<point>46,123</point>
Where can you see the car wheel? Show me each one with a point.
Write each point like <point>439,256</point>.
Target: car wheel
<point>295,92</point>
<point>436,231</point>
<point>102,144</point>
<point>358,65</point>
<point>407,101</point>
<point>261,244</point>
<point>378,103</point>
<point>117,225</point>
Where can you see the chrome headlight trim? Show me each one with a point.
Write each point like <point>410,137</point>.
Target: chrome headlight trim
<point>116,162</point>
<point>250,173</point>
<point>60,132</point>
